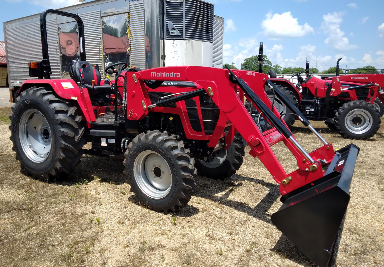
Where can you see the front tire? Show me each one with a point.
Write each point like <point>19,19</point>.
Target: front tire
<point>47,133</point>
<point>379,106</point>
<point>357,120</point>
<point>224,162</point>
<point>159,171</point>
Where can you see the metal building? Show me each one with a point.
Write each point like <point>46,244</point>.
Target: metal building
<point>144,33</point>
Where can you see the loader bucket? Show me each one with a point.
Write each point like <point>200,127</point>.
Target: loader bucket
<point>311,215</point>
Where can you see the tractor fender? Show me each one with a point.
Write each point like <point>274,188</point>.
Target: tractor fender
<point>66,89</point>
<point>287,84</point>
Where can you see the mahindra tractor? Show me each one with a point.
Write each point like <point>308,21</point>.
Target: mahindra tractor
<point>170,121</point>
<point>350,104</point>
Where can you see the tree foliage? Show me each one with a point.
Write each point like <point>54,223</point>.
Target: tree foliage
<point>232,67</point>
<point>287,70</point>
<point>277,69</point>
<point>123,29</point>
<point>109,30</point>
<point>313,70</point>
<point>364,70</point>
<point>290,70</point>
<point>331,70</point>
<point>252,64</point>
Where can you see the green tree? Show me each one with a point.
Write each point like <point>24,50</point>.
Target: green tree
<point>331,70</point>
<point>366,69</point>
<point>74,29</point>
<point>123,29</point>
<point>252,64</point>
<point>297,70</point>
<point>109,29</point>
<point>232,67</point>
<point>287,70</point>
<point>313,70</point>
<point>276,68</point>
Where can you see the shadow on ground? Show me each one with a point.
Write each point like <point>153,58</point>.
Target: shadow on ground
<point>208,188</point>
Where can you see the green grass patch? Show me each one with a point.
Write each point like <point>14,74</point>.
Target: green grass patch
<point>4,114</point>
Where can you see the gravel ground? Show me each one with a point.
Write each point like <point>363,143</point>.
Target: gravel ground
<point>92,219</point>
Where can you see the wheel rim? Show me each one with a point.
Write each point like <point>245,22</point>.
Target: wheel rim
<point>35,135</point>
<point>358,121</point>
<point>152,174</point>
<point>217,159</point>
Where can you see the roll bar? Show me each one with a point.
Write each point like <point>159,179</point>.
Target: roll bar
<point>46,65</point>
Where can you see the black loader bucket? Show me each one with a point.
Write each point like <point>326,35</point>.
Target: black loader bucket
<point>311,215</point>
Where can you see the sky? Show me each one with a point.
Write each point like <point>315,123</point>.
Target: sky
<point>292,31</point>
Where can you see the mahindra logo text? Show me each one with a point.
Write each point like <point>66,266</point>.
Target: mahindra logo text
<point>165,74</point>
<point>359,78</point>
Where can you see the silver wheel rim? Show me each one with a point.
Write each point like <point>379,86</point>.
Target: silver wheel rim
<point>218,159</point>
<point>152,174</point>
<point>35,135</point>
<point>358,121</point>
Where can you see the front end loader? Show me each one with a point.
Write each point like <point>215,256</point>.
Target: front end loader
<point>164,121</point>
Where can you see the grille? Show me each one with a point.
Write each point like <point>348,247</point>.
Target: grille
<point>218,38</point>
<point>189,19</point>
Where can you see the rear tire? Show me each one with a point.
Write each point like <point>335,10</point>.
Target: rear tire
<point>357,120</point>
<point>288,115</point>
<point>47,133</point>
<point>225,162</point>
<point>331,124</point>
<point>159,171</point>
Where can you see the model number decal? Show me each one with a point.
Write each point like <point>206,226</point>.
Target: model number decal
<point>67,85</point>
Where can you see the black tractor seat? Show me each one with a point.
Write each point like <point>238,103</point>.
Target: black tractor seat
<point>84,73</point>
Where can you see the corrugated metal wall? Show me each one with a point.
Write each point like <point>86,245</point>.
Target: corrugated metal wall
<point>192,18</point>
<point>92,34</point>
<point>53,49</point>
<point>136,10</point>
<point>199,20</point>
<point>218,39</point>
<point>24,46</point>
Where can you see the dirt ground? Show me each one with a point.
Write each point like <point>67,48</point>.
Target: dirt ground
<point>4,97</point>
<point>92,219</point>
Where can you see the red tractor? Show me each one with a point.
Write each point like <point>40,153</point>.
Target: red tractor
<point>350,104</point>
<point>167,122</point>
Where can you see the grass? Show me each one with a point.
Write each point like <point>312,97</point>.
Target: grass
<point>92,218</point>
<point>5,112</point>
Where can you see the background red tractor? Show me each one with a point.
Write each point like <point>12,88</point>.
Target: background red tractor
<point>167,121</point>
<point>350,104</point>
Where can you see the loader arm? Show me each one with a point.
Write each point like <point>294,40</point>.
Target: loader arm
<point>315,195</point>
<point>218,85</point>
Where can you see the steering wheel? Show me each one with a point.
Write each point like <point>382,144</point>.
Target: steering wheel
<point>123,67</point>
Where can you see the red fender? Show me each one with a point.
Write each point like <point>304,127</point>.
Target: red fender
<point>286,83</point>
<point>66,89</point>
